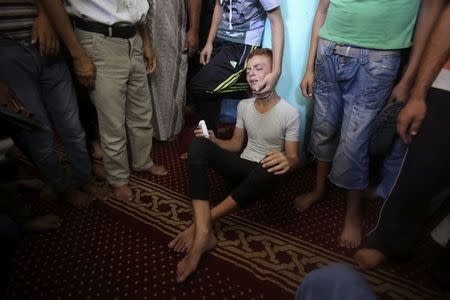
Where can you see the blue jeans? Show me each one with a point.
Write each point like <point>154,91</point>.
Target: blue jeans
<point>335,282</point>
<point>44,86</point>
<point>349,93</point>
<point>391,168</point>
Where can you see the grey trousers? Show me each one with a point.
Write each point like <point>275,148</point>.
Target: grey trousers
<point>122,99</point>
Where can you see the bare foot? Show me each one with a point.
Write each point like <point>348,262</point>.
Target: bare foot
<point>99,171</point>
<point>97,192</point>
<point>43,223</point>
<point>203,242</point>
<point>369,258</point>
<point>48,194</point>
<point>78,198</point>
<point>32,184</point>
<point>97,151</point>
<point>158,170</point>
<point>351,234</point>
<point>182,243</point>
<point>123,193</point>
<point>304,201</point>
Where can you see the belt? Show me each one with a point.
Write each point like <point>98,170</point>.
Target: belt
<point>355,52</point>
<point>116,31</point>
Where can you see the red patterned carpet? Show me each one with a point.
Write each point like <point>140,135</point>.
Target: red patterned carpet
<point>118,250</point>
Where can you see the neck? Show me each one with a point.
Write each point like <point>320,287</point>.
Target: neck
<point>271,98</point>
<point>264,105</point>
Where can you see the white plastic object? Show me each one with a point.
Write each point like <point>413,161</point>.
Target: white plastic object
<point>204,129</point>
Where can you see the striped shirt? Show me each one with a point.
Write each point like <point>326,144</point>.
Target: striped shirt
<point>16,19</point>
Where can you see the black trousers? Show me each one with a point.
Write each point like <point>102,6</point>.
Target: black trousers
<point>424,174</point>
<point>249,178</point>
<point>223,76</point>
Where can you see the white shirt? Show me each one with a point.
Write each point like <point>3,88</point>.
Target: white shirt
<point>267,131</point>
<point>108,11</point>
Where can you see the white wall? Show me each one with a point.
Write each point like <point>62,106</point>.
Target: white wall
<point>298,16</point>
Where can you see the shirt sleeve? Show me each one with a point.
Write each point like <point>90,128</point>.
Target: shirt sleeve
<point>240,115</point>
<point>269,5</point>
<point>293,126</point>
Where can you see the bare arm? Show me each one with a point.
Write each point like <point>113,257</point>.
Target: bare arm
<point>216,19</point>
<point>436,53</point>
<point>267,86</point>
<point>319,19</point>
<point>428,13</point>
<point>43,35</point>
<point>83,65</point>
<point>59,18</point>
<point>192,39</point>
<point>277,28</point>
<point>205,55</point>
<point>149,56</point>
<point>234,144</point>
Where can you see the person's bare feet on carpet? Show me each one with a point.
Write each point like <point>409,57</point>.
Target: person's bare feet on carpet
<point>158,170</point>
<point>98,171</point>
<point>182,243</point>
<point>203,242</point>
<point>123,193</point>
<point>98,192</point>
<point>31,183</point>
<point>304,201</point>
<point>43,223</point>
<point>78,198</point>
<point>369,258</point>
<point>351,234</point>
<point>97,151</point>
<point>48,194</point>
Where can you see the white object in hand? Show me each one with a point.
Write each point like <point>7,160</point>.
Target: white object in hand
<point>204,129</point>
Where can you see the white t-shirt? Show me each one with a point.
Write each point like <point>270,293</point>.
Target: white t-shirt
<point>108,12</point>
<point>243,20</point>
<point>268,131</point>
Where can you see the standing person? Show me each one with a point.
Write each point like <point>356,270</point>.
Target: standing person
<point>167,22</point>
<point>424,124</point>
<point>357,58</point>
<point>112,56</point>
<point>272,126</point>
<point>32,72</point>
<point>236,30</point>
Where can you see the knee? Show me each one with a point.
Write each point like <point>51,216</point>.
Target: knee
<point>198,151</point>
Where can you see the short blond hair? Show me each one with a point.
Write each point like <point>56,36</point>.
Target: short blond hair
<point>261,51</point>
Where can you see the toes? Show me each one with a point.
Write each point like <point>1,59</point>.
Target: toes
<point>171,244</point>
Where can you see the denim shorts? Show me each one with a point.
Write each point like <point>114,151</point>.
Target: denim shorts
<point>348,94</point>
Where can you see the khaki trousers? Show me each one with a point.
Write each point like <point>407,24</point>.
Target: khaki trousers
<point>122,99</point>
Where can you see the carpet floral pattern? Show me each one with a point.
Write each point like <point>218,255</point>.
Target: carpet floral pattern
<point>118,249</point>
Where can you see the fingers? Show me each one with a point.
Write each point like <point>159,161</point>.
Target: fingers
<point>42,43</point>
<point>202,58</point>
<point>306,88</point>
<point>402,127</point>
<point>191,50</point>
<point>34,34</point>
<point>415,126</point>
<point>275,163</point>
<point>56,47</point>
<point>87,80</point>
<point>150,64</point>
<point>86,71</point>
<point>198,132</point>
